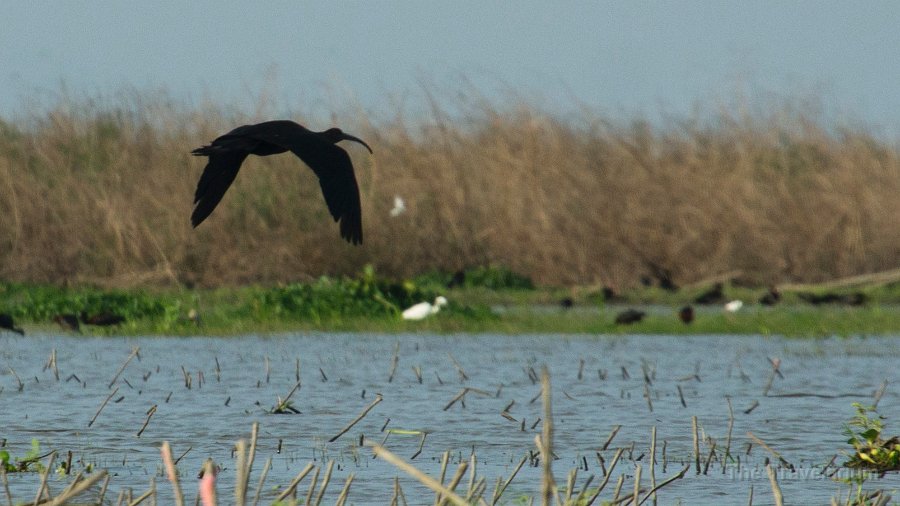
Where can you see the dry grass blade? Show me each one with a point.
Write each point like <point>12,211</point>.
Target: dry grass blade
<point>508,481</point>
<point>546,441</point>
<point>172,473</point>
<point>77,489</point>
<point>325,481</point>
<point>296,481</point>
<point>42,489</point>
<point>776,490</point>
<point>423,478</point>
<point>653,490</point>
<point>342,498</point>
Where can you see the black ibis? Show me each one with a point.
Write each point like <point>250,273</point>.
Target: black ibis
<point>6,322</point>
<point>318,150</point>
<point>68,322</point>
<point>102,319</point>
<point>686,314</point>
<point>712,296</point>
<point>629,316</point>
<point>771,297</point>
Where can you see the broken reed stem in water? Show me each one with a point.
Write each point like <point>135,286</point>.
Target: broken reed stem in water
<point>103,405</point>
<point>445,459</point>
<point>462,374</point>
<point>134,352</point>
<point>172,473</point>
<point>9,499</point>
<point>423,478</point>
<point>653,459</point>
<point>150,413</point>
<point>546,440</point>
<point>18,380</point>
<point>146,495</point>
<point>508,481</point>
<point>395,359</point>
<point>612,434</point>
<point>342,498</point>
<point>254,435</point>
<point>728,437</point>
<point>356,420</point>
<point>696,443</point>
<point>776,490</point>
<point>678,476</point>
<point>240,486</point>
<point>636,494</point>
<point>296,481</point>
<point>262,479</point>
<point>777,455</point>
<point>43,487</point>
<point>612,465</point>
<point>312,487</point>
<point>75,489</point>
<point>325,481</point>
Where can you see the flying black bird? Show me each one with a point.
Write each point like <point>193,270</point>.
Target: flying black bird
<point>317,149</point>
<point>6,322</point>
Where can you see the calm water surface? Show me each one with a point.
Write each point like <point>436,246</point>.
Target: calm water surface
<point>341,374</point>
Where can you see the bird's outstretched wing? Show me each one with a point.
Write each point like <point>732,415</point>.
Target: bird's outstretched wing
<point>217,177</point>
<point>335,171</point>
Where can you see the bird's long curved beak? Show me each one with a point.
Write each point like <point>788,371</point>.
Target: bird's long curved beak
<point>348,137</point>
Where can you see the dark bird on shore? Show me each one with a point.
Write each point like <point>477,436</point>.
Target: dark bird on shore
<point>68,322</point>
<point>850,299</point>
<point>771,297</point>
<point>6,322</point>
<point>458,280</point>
<point>318,150</point>
<point>712,296</point>
<point>102,319</point>
<point>686,314</point>
<point>629,316</point>
<point>566,302</point>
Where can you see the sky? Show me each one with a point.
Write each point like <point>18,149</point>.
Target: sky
<point>621,58</point>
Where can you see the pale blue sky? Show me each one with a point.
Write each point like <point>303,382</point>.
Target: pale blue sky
<point>619,57</point>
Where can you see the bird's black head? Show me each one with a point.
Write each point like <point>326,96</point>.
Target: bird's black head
<point>335,135</point>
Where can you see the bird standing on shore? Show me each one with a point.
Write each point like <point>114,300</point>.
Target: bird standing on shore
<point>317,149</point>
<point>6,322</point>
<point>421,310</point>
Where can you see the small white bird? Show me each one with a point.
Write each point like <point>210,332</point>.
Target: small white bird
<point>734,306</point>
<point>423,309</point>
<point>399,207</point>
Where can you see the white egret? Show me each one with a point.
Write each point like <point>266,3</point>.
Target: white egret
<point>399,206</point>
<point>421,310</point>
<point>734,306</point>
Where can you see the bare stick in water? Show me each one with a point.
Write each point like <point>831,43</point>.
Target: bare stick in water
<point>776,490</point>
<point>296,481</point>
<point>102,405</point>
<point>356,420</point>
<point>134,352</point>
<point>426,480</point>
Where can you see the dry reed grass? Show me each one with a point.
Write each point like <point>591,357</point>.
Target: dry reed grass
<point>100,190</point>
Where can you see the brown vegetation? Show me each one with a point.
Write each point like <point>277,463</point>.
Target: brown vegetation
<point>94,191</point>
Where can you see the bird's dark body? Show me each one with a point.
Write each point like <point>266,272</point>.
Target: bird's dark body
<point>318,150</point>
<point>6,322</point>
<point>102,319</point>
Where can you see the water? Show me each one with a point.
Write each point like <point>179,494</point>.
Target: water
<point>211,415</point>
